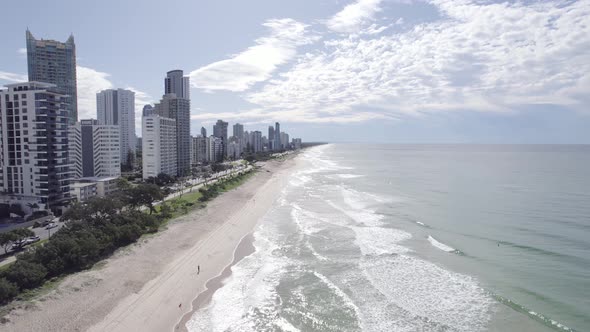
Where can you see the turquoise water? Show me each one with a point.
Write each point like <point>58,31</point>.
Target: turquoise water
<point>419,238</point>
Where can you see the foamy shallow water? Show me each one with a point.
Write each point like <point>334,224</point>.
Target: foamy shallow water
<point>328,259</point>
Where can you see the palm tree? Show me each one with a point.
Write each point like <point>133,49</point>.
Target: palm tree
<point>33,206</point>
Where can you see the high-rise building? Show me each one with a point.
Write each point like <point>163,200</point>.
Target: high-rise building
<point>175,82</point>
<point>284,141</point>
<point>238,131</point>
<point>271,138</point>
<point>203,132</point>
<point>256,141</point>
<point>247,142</point>
<point>94,149</point>
<point>200,153</point>
<point>215,148</point>
<point>34,164</point>
<point>172,107</point>
<point>296,143</point>
<point>147,110</point>
<point>220,130</point>
<point>54,62</point>
<point>159,146</point>
<point>117,107</point>
<point>277,137</point>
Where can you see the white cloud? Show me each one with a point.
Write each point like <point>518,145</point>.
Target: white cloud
<point>141,99</point>
<point>476,57</point>
<point>90,82</point>
<point>258,62</point>
<point>12,77</point>
<point>354,16</point>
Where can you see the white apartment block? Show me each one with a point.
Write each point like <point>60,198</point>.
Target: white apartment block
<point>117,107</point>
<point>34,145</point>
<point>159,146</point>
<point>215,149</point>
<point>199,151</point>
<point>94,149</point>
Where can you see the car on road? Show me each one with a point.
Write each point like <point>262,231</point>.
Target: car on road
<point>51,225</point>
<point>33,239</point>
<point>19,244</point>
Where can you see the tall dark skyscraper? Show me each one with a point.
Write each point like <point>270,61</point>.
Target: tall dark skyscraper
<point>203,132</point>
<point>277,141</point>
<point>220,130</point>
<point>238,131</point>
<point>271,137</point>
<point>54,62</point>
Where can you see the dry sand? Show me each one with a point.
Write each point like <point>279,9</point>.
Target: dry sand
<point>151,285</point>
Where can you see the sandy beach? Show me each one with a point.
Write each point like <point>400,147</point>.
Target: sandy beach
<point>152,285</point>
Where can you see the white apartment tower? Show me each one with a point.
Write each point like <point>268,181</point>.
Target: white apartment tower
<point>34,163</point>
<point>159,146</point>
<point>117,107</point>
<point>94,149</point>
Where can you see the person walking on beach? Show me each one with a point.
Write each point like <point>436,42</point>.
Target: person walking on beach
<point>180,306</point>
<point>198,269</point>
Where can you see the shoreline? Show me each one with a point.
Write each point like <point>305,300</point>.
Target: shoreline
<point>149,285</point>
<point>244,249</point>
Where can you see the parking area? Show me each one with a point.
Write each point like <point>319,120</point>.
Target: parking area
<point>41,233</point>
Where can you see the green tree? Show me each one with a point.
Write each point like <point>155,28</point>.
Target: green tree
<point>26,274</point>
<point>15,236</point>
<point>123,184</point>
<point>6,240</point>
<point>8,290</point>
<point>165,211</point>
<point>145,195</point>
<point>33,206</point>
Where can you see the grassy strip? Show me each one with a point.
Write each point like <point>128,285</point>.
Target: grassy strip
<point>196,199</point>
<point>164,212</point>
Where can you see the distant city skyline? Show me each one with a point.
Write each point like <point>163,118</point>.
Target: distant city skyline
<point>365,70</point>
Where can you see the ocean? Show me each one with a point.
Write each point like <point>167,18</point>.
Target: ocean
<point>418,238</point>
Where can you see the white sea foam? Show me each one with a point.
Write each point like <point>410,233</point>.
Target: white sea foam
<point>251,285</point>
<point>360,217</point>
<point>378,241</point>
<point>338,292</point>
<point>284,325</point>
<point>345,176</point>
<point>299,179</point>
<point>426,291</point>
<point>307,228</point>
<point>320,163</point>
<point>440,245</point>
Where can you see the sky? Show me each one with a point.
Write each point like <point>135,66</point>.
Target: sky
<point>397,71</point>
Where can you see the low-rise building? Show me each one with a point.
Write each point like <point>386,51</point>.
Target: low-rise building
<point>105,186</point>
<point>83,191</point>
